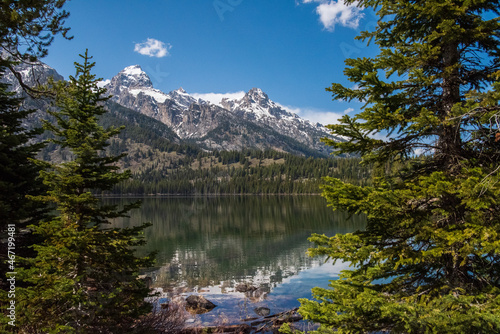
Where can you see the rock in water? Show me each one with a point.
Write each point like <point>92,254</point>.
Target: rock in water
<point>199,304</point>
<point>245,287</point>
<point>262,311</point>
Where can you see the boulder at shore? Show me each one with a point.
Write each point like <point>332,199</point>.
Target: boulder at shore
<point>199,304</point>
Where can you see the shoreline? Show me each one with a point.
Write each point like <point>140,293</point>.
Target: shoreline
<point>200,195</point>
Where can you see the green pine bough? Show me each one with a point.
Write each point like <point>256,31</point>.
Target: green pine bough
<point>429,258</point>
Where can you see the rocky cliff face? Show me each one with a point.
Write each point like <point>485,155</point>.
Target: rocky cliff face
<point>252,121</point>
<point>33,75</point>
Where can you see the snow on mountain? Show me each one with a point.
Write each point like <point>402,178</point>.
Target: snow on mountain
<point>258,103</point>
<point>134,81</point>
<point>133,76</point>
<point>182,98</point>
<point>32,74</point>
<point>157,95</point>
<point>221,122</point>
<point>217,98</point>
<point>103,83</point>
<point>196,118</point>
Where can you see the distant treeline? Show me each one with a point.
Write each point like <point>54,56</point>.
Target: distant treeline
<point>245,172</point>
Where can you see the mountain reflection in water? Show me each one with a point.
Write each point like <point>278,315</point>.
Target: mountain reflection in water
<point>210,245</point>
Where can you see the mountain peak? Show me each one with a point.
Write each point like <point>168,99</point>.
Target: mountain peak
<point>182,98</point>
<point>256,90</point>
<point>257,95</point>
<point>132,76</point>
<point>133,70</point>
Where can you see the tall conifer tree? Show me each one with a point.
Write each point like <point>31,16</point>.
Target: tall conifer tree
<point>18,179</point>
<point>429,258</point>
<point>84,277</point>
<point>27,28</point>
<point>17,173</point>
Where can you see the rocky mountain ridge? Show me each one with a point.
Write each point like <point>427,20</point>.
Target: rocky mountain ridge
<point>228,125</point>
<point>252,121</point>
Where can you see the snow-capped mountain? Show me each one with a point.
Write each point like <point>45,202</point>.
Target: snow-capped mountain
<point>251,121</point>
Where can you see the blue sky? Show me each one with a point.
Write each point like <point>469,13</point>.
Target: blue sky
<point>291,49</point>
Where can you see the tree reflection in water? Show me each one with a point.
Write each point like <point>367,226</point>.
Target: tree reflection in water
<point>208,245</point>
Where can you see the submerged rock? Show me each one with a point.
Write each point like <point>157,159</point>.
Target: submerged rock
<point>252,292</point>
<point>258,293</point>
<point>262,311</point>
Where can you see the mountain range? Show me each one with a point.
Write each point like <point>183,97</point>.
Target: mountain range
<point>253,121</point>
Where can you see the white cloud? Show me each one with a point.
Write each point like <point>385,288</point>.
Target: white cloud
<point>216,98</point>
<point>291,109</point>
<point>103,83</point>
<point>418,151</point>
<point>348,110</point>
<point>332,13</point>
<point>153,48</point>
<point>315,115</point>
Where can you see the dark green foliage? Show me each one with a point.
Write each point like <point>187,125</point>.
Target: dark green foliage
<point>141,128</point>
<point>84,277</point>
<point>28,27</point>
<point>429,259</point>
<point>26,30</point>
<point>266,135</point>
<point>18,179</point>
<point>17,172</point>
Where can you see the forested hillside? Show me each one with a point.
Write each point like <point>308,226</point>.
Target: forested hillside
<point>161,163</point>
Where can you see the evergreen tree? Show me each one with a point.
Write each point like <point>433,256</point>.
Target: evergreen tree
<point>27,28</point>
<point>84,277</point>
<point>429,258</point>
<point>18,179</point>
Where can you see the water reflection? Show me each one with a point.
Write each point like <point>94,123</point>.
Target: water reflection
<point>210,245</point>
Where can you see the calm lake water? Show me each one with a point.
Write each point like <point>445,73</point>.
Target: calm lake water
<point>209,245</point>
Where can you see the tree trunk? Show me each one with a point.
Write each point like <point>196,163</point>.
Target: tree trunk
<point>449,141</point>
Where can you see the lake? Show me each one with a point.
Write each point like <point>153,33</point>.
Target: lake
<point>210,245</point>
